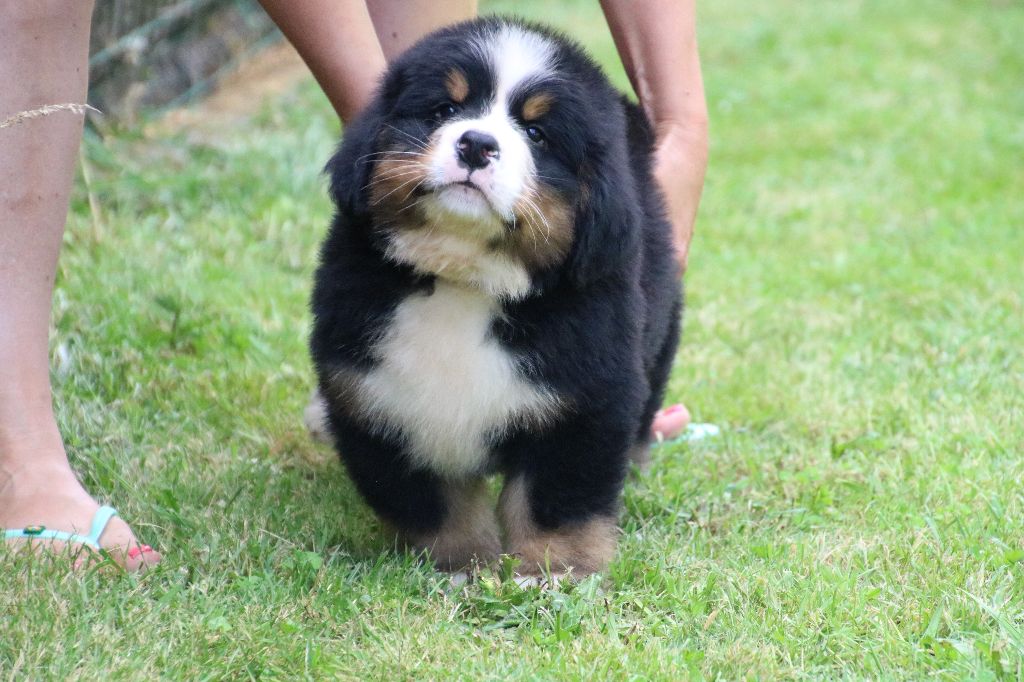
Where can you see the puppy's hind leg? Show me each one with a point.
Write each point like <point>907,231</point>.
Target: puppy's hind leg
<point>658,371</point>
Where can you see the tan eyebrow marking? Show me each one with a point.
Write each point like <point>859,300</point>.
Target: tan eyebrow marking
<point>536,106</point>
<point>457,85</point>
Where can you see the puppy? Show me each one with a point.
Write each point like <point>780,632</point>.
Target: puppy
<point>497,294</point>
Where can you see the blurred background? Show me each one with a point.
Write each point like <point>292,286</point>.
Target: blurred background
<point>166,52</point>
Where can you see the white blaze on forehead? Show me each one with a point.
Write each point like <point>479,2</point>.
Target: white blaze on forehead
<point>517,56</point>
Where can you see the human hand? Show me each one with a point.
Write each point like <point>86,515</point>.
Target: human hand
<point>680,159</point>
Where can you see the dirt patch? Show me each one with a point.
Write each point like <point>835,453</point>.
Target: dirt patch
<point>266,74</point>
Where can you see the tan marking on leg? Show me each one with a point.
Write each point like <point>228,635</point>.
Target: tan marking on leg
<point>536,106</point>
<point>469,532</point>
<point>457,86</point>
<point>584,547</point>
<point>640,455</point>
<point>544,229</point>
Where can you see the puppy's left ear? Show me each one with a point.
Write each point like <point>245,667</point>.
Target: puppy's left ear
<point>606,229</point>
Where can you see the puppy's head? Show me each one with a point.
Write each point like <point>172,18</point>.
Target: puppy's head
<point>493,154</point>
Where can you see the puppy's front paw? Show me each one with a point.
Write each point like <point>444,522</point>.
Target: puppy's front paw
<point>469,533</point>
<point>550,581</point>
<point>582,547</point>
<point>455,550</point>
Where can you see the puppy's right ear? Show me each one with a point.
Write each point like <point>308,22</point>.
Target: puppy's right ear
<point>349,168</point>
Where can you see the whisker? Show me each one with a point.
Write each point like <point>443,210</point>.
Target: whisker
<point>533,235</point>
<point>536,210</point>
<point>394,190</point>
<point>400,166</point>
<point>384,153</point>
<point>390,173</point>
<point>401,171</point>
<point>406,172</point>
<point>403,162</point>
<point>416,186</point>
<point>416,142</point>
<point>533,228</point>
<point>415,203</point>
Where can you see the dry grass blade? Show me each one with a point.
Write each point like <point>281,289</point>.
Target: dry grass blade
<point>47,110</point>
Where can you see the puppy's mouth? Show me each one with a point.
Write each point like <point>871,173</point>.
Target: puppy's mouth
<point>464,197</point>
<point>458,186</point>
<point>471,185</point>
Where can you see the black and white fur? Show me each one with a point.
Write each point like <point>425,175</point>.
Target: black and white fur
<point>448,345</point>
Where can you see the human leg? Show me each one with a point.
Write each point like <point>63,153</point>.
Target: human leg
<point>400,23</point>
<point>43,60</point>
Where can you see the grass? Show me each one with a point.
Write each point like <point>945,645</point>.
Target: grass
<point>854,325</point>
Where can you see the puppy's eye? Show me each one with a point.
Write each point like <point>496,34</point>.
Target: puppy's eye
<point>446,110</point>
<point>535,134</point>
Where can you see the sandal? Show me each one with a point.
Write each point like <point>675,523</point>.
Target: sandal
<point>694,431</point>
<point>92,540</point>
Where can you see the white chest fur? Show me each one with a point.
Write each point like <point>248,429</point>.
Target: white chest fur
<point>445,383</point>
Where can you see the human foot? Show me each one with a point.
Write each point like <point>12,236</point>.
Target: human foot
<point>669,423</point>
<point>50,496</point>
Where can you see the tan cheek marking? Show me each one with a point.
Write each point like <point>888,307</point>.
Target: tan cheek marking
<point>469,532</point>
<point>394,179</point>
<point>544,229</point>
<point>536,106</point>
<point>585,547</point>
<point>457,86</point>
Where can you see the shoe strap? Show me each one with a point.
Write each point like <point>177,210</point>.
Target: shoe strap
<point>99,524</point>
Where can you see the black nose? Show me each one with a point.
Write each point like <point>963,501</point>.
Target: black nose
<point>476,149</point>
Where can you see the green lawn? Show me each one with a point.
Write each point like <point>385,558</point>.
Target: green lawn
<point>855,326</point>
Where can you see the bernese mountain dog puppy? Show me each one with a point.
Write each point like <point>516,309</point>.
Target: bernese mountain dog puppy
<point>497,295</point>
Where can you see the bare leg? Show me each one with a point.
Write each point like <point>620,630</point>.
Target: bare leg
<point>43,56</point>
<point>400,23</point>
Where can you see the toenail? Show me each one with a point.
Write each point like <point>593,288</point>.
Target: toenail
<point>134,552</point>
